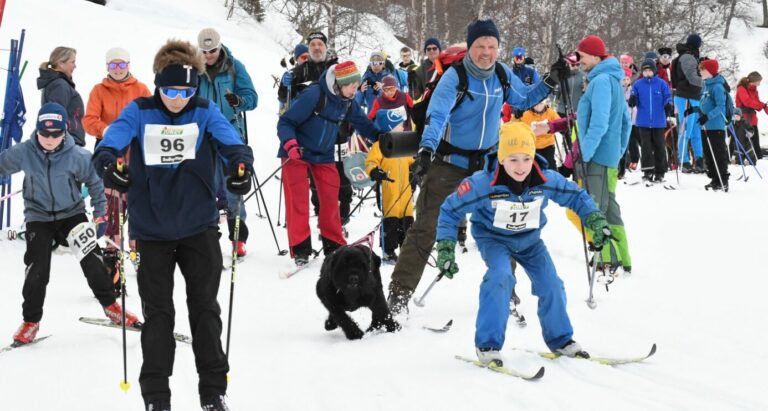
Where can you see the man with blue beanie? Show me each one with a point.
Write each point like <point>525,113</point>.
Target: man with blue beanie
<point>526,73</point>
<point>687,85</point>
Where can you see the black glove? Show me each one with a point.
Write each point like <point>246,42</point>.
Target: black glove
<point>239,184</point>
<point>424,161</point>
<point>670,110</point>
<point>703,119</point>
<point>632,102</point>
<point>233,99</point>
<point>116,180</point>
<point>379,175</point>
<point>691,110</point>
<point>518,113</point>
<point>559,70</point>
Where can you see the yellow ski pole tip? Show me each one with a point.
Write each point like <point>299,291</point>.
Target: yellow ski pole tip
<point>125,386</point>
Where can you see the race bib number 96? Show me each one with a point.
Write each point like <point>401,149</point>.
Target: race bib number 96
<point>169,144</point>
<point>82,239</point>
<point>514,216</point>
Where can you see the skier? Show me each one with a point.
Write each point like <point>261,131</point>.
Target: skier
<point>748,100</point>
<point>393,176</point>
<point>57,208</point>
<point>371,84</point>
<point>56,85</point>
<point>712,118</point>
<point>687,84</point>
<point>227,84</point>
<point>425,73</point>
<point>302,75</point>
<point>175,137</point>
<point>106,101</point>
<point>307,132</point>
<point>507,201</point>
<point>545,143</point>
<point>392,98</point>
<point>526,73</point>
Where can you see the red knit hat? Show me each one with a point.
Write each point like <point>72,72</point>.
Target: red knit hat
<point>711,65</point>
<point>593,45</point>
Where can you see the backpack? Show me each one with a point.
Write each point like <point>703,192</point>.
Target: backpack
<point>729,107</point>
<point>451,57</point>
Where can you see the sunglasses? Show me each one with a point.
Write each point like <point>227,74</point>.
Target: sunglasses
<point>211,51</point>
<point>50,133</point>
<point>113,66</point>
<point>184,93</point>
<point>432,48</point>
<point>665,56</point>
<point>377,63</point>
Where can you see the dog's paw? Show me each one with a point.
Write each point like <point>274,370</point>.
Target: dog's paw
<point>330,324</point>
<point>353,333</point>
<point>392,325</point>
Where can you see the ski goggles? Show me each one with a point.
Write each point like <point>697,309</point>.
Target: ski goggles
<point>665,56</point>
<point>184,93</point>
<point>211,51</point>
<point>50,133</point>
<point>519,58</point>
<point>113,66</point>
<point>377,63</point>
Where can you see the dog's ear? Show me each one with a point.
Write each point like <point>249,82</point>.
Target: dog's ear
<point>376,261</point>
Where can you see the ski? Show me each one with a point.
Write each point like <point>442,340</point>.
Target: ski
<point>295,269</point>
<point>600,360</point>
<point>19,345</point>
<point>669,187</point>
<point>136,327</point>
<point>634,183</point>
<point>519,318</point>
<point>227,262</point>
<point>503,370</point>
<point>442,329</point>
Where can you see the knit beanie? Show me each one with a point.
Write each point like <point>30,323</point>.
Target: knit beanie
<point>711,65</point>
<point>665,50</point>
<point>389,81</point>
<point>693,41</point>
<point>593,45</point>
<point>52,115</point>
<point>432,42</point>
<point>299,50</point>
<point>208,39</point>
<point>481,28</point>
<point>118,53</point>
<point>648,64</point>
<point>346,73</point>
<point>626,58</point>
<point>516,137</point>
<point>387,119</point>
<point>651,55</point>
<point>378,56</point>
<point>754,77</point>
<point>317,35</point>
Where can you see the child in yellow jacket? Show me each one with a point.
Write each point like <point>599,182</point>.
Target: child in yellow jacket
<point>393,176</point>
<point>545,143</point>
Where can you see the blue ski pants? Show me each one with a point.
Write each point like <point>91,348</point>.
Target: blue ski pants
<point>689,130</point>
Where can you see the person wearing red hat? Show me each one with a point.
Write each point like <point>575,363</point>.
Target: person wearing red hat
<point>712,119</point>
<point>605,125</point>
<point>392,98</point>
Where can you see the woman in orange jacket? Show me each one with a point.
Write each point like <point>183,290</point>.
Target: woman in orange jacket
<point>105,103</point>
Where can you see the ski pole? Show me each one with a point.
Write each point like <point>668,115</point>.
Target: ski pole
<point>419,302</point>
<point>744,150</point>
<point>741,159</point>
<point>258,187</point>
<point>362,199</point>
<point>7,196</point>
<point>124,385</point>
<point>280,251</point>
<point>279,204</point>
<point>591,299</point>
<point>240,173</point>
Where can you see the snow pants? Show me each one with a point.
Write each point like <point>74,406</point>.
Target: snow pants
<point>496,291</point>
<point>394,230</point>
<point>345,194</point>
<point>716,156</point>
<point>40,236</point>
<point>689,130</point>
<point>654,159</point>
<point>199,259</point>
<point>296,189</point>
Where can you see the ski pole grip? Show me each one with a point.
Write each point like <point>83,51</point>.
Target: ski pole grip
<point>241,170</point>
<point>119,164</point>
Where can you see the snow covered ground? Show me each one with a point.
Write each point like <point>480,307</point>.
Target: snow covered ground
<point>697,288</point>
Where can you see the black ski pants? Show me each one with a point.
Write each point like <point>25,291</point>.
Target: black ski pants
<point>654,150</point>
<point>716,155</point>
<point>395,229</point>
<point>40,236</point>
<point>199,259</point>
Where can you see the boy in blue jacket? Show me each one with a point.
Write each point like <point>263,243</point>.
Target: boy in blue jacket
<point>54,168</point>
<point>175,139</point>
<point>507,204</point>
<point>653,99</point>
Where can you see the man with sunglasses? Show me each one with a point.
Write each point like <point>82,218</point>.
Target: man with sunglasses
<point>526,73</point>
<point>54,168</point>
<point>664,64</point>
<point>425,73</point>
<point>371,84</point>
<point>175,137</point>
<point>302,75</point>
<point>226,83</point>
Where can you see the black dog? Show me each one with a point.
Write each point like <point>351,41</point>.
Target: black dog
<point>350,279</point>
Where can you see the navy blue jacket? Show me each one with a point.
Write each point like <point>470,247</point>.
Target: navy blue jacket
<point>170,202</point>
<point>316,133</point>
<point>526,73</point>
<point>652,94</point>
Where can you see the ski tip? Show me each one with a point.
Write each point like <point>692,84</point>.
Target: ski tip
<point>536,376</point>
<point>450,323</point>
<point>653,350</point>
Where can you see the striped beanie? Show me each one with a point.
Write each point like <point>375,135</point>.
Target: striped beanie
<point>346,73</point>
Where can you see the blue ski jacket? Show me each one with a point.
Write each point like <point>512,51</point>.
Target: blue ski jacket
<point>652,94</point>
<point>603,115</point>
<point>367,97</point>
<point>474,125</point>
<point>52,180</point>
<point>713,102</point>
<point>316,132</point>
<point>526,73</point>
<point>172,201</point>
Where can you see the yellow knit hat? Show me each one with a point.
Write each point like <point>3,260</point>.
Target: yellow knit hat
<point>516,137</point>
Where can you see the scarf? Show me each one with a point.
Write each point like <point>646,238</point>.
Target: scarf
<point>477,72</point>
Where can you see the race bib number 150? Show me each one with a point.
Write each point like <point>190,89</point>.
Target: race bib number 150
<point>82,239</point>
<point>169,144</point>
<point>514,216</point>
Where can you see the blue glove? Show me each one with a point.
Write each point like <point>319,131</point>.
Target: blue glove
<point>287,79</point>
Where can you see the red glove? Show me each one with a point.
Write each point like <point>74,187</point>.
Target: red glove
<point>293,149</point>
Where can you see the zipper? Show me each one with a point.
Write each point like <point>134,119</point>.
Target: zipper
<point>50,188</point>
<point>485,110</point>
<point>650,98</point>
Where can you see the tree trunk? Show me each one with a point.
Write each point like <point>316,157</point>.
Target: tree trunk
<point>729,19</point>
<point>424,21</point>
<point>765,14</point>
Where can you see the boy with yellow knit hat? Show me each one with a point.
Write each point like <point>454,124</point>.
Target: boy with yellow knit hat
<point>507,202</point>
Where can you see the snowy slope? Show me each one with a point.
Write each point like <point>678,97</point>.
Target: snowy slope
<point>697,288</point>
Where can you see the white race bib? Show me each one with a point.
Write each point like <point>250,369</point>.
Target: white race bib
<point>169,144</point>
<point>514,216</point>
<point>82,239</point>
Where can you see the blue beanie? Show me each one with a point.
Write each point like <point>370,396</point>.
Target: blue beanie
<point>432,42</point>
<point>518,51</point>
<point>52,115</point>
<point>693,41</point>
<point>299,50</point>
<point>481,28</point>
<point>651,55</point>
<point>387,119</point>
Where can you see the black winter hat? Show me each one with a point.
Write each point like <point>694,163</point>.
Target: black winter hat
<point>317,35</point>
<point>648,64</point>
<point>665,50</point>
<point>481,28</point>
<point>432,42</point>
<point>693,41</point>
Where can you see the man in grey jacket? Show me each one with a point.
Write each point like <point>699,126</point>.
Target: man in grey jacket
<point>687,83</point>
<point>54,167</point>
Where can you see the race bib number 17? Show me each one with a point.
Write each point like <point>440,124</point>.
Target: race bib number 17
<point>514,216</point>
<point>169,144</point>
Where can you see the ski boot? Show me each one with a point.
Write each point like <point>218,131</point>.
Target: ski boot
<point>461,236</point>
<point>240,249</point>
<point>158,405</point>
<point>687,168</point>
<point>301,260</point>
<point>699,166</point>
<point>714,186</point>
<point>26,333</point>
<point>513,303</point>
<point>389,257</point>
<point>115,314</point>
<point>216,403</point>
<point>398,298</point>
<point>572,349</point>
<point>112,264</point>
<point>632,166</point>
<point>489,356</point>
<point>647,177</point>
<point>627,269</point>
